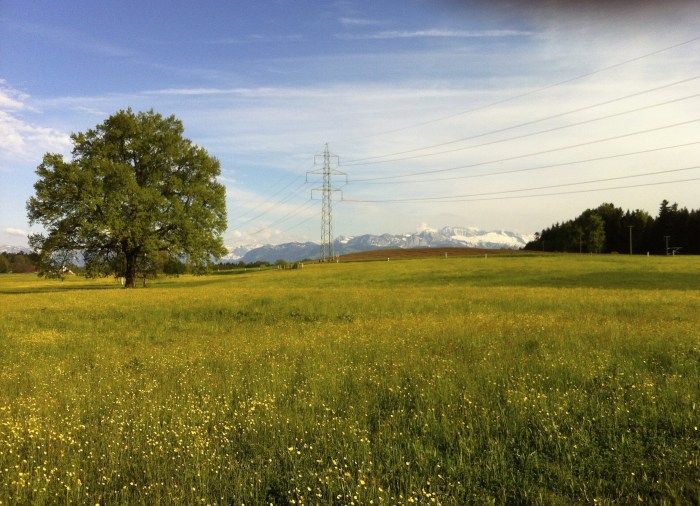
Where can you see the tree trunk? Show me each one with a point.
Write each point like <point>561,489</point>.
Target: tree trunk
<point>130,271</point>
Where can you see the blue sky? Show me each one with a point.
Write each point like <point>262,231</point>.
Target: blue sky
<point>485,114</point>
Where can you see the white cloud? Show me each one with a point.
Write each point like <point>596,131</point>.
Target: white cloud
<point>264,235</point>
<point>20,138</point>
<point>226,180</point>
<point>358,22</point>
<point>24,140</point>
<point>365,92</point>
<point>11,99</point>
<point>191,91</point>
<point>435,33</point>
<point>259,38</point>
<point>423,227</point>
<point>92,110</point>
<point>15,231</point>
<point>264,131</point>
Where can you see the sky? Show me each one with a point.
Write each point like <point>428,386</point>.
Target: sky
<point>501,115</point>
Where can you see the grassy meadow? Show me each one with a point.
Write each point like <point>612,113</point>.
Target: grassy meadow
<point>518,380</point>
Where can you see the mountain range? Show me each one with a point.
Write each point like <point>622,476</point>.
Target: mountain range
<point>467,237</point>
<point>14,249</point>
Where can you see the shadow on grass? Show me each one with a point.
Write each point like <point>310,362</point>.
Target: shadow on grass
<point>57,289</point>
<point>58,286</point>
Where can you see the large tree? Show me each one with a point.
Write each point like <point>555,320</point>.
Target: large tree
<point>135,190</point>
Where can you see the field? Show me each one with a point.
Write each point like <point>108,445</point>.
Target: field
<point>519,380</point>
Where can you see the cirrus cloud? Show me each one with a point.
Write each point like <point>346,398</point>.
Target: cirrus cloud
<point>435,33</point>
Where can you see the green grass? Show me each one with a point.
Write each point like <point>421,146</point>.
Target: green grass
<point>542,380</point>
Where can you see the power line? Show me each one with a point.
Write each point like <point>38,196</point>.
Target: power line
<point>528,169</point>
<point>518,157</point>
<point>528,123</point>
<point>531,92</point>
<point>274,206</point>
<point>531,134</point>
<point>294,212</point>
<point>557,193</point>
<point>269,198</point>
<point>305,220</point>
<point>299,210</point>
<point>289,215</point>
<point>456,198</point>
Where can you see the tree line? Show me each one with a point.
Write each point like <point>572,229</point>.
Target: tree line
<point>18,262</point>
<point>163,265</point>
<point>610,229</point>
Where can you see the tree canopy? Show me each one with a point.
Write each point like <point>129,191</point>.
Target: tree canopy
<point>134,194</point>
<point>609,229</point>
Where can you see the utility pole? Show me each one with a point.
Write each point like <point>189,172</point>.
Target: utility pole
<point>326,190</point>
<point>630,227</point>
<point>667,237</point>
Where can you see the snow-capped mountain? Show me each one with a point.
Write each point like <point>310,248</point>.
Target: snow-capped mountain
<point>468,237</point>
<point>291,252</point>
<point>14,249</point>
<point>235,253</point>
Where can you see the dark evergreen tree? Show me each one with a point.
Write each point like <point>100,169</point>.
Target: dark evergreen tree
<point>607,229</point>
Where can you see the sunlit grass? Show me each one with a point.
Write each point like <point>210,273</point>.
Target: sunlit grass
<point>508,380</point>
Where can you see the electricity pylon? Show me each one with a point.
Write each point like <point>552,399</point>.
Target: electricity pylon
<point>327,171</point>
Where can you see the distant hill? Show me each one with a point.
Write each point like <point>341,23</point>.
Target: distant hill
<point>446,237</point>
<point>290,252</point>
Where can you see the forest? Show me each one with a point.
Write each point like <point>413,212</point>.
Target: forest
<point>610,229</point>
<point>17,262</point>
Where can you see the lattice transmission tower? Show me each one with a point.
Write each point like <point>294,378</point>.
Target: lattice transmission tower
<point>327,190</point>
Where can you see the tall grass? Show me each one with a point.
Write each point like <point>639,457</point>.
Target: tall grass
<point>545,380</point>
